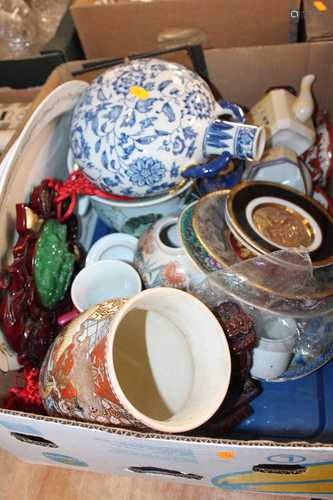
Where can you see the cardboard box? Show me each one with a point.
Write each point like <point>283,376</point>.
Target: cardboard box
<point>33,71</point>
<point>317,18</point>
<point>231,464</point>
<point>134,27</point>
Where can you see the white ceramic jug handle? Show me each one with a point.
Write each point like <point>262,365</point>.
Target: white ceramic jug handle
<point>303,106</point>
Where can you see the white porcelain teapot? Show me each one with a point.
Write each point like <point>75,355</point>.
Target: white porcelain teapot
<point>287,118</point>
<point>139,127</point>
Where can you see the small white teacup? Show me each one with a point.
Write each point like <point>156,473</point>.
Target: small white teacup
<point>104,280</point>
<point>276,339</point>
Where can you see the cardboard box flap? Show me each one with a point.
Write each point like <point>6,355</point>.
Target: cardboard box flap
<point>244,74</point>
<point>128,27</point>
<point>8,95</point>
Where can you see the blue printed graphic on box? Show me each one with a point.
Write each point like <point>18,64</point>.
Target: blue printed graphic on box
<point>23,428</point>
<point>313,479</point>
<point>286,459</point>
<point>64,459</point>
<point>173,454</point>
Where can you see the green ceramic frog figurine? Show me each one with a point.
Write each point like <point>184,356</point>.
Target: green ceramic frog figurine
<point>54,264</point>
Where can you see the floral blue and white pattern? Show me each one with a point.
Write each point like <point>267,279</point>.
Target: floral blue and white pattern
<point>138,124</point>
<point>127,80</point>
<point>80,147</point>
<point>200,108</point>
<point>145,172</point>
<point>239,140</point>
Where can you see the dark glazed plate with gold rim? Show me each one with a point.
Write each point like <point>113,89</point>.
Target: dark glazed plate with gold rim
<point>272,217</point>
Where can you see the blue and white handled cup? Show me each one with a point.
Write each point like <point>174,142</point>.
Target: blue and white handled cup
<point>227,140</point>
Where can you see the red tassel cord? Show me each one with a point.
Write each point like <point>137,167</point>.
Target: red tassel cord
<point>26,398</point>
<point>76,184</point>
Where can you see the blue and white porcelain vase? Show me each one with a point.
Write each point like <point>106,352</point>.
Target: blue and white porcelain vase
<point>140,125</point>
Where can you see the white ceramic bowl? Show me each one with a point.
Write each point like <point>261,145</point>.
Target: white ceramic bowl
<point>134,217</point>
<point>104,280</point>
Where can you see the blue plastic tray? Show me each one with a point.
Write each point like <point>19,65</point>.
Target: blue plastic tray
<point>297,409</point>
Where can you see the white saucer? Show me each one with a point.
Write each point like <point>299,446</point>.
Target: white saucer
<point>115,246</point>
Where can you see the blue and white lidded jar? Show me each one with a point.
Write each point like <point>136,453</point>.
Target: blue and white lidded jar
<point>141,127</point>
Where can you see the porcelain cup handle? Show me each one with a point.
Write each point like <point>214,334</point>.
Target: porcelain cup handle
<point>209,169</point>
<point>235,111</point>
